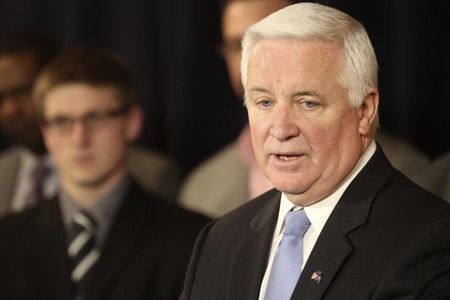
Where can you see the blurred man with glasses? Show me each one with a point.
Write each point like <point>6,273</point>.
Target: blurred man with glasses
<point>102,236</point>
<point>28,175</point>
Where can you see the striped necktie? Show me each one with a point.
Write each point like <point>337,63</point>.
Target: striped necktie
<point>287,264</point>
<point>82,250</point>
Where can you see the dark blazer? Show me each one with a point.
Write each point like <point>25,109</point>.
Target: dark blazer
<point>423,271</point>
<point>144,256</point>
<point>376,218</point>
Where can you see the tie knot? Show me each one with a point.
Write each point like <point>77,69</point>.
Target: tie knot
<point>296,223</point>
<point>82,221</point>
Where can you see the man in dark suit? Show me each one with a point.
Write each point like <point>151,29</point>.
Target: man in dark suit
<point>102,237</point>
<point>340,215</point>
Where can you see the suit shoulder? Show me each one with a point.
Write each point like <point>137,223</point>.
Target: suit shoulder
<point>201,192</point>
<point>422,270</point>
<point>165,213</point>
<point>14,225</point>
<point>405,205</point>
<point>416,196</point>
<point>16,218</point>
<point>225,159</point>
<point>224,166</point>
<point>10,153</point>
<point>155,172</point>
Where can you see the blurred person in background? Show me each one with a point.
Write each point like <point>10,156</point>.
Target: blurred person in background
<point>22,55</point>
<point>102,236</point>
<point>28,174</point>
<point>24,164</point>
<point>435,176</point>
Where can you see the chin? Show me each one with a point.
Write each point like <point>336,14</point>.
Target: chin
<point>290,187</point>
<point>87,180</point>
<point>87,183</point>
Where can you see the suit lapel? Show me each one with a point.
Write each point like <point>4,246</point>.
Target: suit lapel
<point>121,243</point>
<point>250,257</point>
<point>334,245</point>
<point>49,255</point>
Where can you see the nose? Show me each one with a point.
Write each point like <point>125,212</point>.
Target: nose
<point>284,126</point>
<point>80,134</point>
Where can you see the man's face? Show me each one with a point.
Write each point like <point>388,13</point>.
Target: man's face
<point>238,16</point>
<point>306,135</point>
<point>92,152</point>
<point>17,118</point>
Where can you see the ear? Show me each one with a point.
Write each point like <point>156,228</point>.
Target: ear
<point>135,123</point>
<point>368,113</point>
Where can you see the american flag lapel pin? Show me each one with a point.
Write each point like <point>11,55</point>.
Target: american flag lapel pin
<point>317,277</point>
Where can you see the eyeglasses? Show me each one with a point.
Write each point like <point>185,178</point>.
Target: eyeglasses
<point>18,93</point>
<point>91,121</point>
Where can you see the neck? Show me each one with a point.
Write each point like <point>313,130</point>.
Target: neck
<point>86,195</point>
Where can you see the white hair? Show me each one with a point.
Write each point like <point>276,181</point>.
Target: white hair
<point>312,21</point>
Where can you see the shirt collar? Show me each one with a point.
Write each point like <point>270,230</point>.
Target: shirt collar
<point>103,211</point>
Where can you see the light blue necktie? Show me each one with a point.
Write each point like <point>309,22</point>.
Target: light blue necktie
<point>287,264</point>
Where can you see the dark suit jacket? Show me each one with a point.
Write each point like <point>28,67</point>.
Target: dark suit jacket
<point>376,218</point>
<point>423,271</point>
<point>144,256</point>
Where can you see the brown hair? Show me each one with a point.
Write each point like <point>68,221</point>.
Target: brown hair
<point>92,66</point>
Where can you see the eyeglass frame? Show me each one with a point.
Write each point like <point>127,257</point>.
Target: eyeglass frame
<point>91,121</point>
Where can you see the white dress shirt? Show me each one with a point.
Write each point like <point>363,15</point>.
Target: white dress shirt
<point>317,213</point>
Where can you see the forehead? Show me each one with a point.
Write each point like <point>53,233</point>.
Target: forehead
<point>281,60</point>
<point>241,14</point>
<point>76,99</point>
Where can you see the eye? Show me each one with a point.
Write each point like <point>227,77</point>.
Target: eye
<point>60,122</point>
<point>309,104</point>
<point>264,103</point>
<point>94,118</point>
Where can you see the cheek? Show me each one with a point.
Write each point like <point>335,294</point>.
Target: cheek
<point>324,142</point>
<point>335,143</point>
<point>336,130</point>
<point>57,149</point>
<point>110,143</point>
<point>49,142</point>
<point>257,132</point>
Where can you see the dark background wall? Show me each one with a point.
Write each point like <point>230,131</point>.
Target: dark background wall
<point>181,79</point>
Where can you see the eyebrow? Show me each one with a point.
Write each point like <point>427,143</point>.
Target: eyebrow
<point>306,93</point>
<point>258,89</point>
<point>296,94</point>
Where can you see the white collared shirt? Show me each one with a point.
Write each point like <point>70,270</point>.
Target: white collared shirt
<point>318,214</point>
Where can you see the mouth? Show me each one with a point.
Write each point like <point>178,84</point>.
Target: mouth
<point>287,157</point>
<point>286,161</point>
<point>83,159</point>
